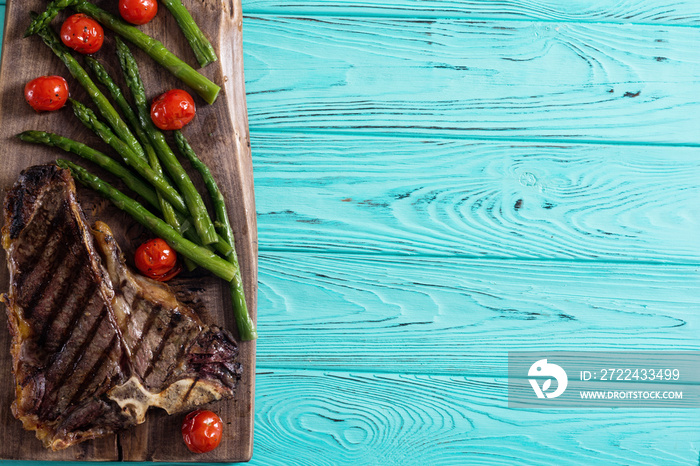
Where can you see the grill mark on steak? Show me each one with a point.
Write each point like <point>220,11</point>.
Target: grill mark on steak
<point>190,389</point>
<point>62,366</point>
<point>32,283</point>
<point>70,275</point>
<point>155,347</point>
<point>111,363</point>
<point>91,379</point>
<point>43,242</point>
<point>73,307</point>
<point>183,349</point>
<point>159,350</point>
<point>136,350</point>
<point>45,219</point>
<point>88,359</point>
<point>212,357</point>
<point>52,273</point>
<point>93,345</point>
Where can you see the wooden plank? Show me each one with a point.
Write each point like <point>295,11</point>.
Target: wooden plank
<point>220,136</point>
<point>445,315</point>
<point>481,199</point>
<point>355,418</point>
<point>683,12</point>
<point>508,79</point>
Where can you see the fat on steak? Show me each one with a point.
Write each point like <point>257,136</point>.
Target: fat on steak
<point>94,346</point>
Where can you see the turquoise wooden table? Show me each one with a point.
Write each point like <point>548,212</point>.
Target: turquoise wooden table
<point>439,182</point>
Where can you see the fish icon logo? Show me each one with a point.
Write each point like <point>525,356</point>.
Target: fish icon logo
<point>543,369</point>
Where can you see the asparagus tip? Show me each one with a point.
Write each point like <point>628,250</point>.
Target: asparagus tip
<point>63,163</point>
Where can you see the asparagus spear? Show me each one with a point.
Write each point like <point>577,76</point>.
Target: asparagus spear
<point>246,326</point>
<point>195,204</point>
<point>223,226</point>
<point>155,49</point>
<point>109,164</point>
<point>115,91</point>
<point>95,156</point>
<point>198,254</point>
<point>169,214</point>
<point>130,180</point>
<point>105,108</point>
<point>47,16</point>
<point>40,137</point>
<point>201,47</point>
<point>89,119</point>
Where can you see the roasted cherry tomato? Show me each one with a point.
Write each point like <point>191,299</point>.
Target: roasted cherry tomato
<point>46,93</point>
<point>173,109</point>
<point>82,33</point>
<point>156,260</point>
<point>201,431</point>
<point>138,11</point>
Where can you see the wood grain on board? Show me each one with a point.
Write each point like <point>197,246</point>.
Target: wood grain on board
<point>591,82</point>
<point>414,196</point>
<point>219,134</point>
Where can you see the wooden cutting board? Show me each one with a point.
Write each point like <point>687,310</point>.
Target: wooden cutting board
<point>219,134</point>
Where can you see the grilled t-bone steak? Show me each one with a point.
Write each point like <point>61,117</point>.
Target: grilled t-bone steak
<point>94,345</point>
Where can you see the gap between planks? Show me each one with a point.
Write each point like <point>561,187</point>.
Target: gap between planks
<point>419,15</point>
<point>262,370</point>
<point>369,132</point>
<point>418,255</point>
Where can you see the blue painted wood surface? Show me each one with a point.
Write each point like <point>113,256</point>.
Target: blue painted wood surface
<point>439,182</point>
<point>504,80</point>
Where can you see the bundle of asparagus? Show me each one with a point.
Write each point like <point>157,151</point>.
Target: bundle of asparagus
<point>155,49</point>
<point>185,223</point>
